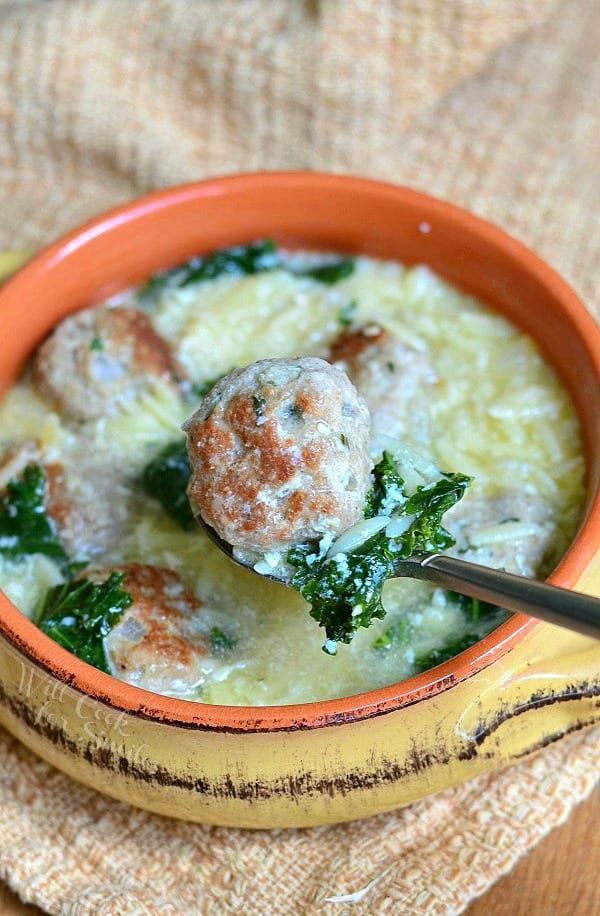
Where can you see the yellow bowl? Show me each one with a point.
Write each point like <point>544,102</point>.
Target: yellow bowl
<point>522,687</point>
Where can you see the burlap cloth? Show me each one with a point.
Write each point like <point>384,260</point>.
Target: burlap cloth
<point>490,104</point>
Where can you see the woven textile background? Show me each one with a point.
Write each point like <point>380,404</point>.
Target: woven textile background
<point>490,103</point>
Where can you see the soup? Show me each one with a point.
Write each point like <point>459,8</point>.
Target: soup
<point>455,382</point>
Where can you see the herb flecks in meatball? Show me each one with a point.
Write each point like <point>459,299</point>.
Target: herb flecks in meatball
<point>98,357</point>
<point>157,644</point>
<point>279,453</point>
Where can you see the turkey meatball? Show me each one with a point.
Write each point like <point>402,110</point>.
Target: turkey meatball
<point>90,509</point>
<point>392,377</point>
<point>279,453</point>
<point>157,644</point>
<point>510,530</point>
<point>98,357</point>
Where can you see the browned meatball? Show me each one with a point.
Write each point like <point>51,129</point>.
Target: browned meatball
<point>280,454</point>
<point>392,377</point>
<point>157,644</point>
<point>98,357</point>
<point>90,507</point>
<point>510,530</point>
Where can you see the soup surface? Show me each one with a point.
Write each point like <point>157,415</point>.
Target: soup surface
<point>470,393</point>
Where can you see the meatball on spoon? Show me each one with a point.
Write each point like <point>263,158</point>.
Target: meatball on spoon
<point>279,453</point>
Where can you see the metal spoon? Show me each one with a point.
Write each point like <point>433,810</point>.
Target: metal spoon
<point>559,606</point>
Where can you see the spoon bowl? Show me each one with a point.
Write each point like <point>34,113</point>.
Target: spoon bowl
<point>560,606</point>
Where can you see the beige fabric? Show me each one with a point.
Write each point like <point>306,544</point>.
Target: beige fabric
<point>74,852</point>
<point>488,103</point>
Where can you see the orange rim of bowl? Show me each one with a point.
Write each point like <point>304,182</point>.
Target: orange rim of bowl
<point>89,681</point>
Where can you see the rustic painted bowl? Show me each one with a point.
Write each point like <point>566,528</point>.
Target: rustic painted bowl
<point>522,687</point>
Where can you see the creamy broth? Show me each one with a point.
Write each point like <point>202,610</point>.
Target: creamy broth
<point>496,411</point>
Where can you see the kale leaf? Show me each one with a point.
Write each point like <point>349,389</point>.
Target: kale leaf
<point>428,505</point>
<point>387,492</point>
<point>328,273</point>
<point>482,619</point>
<point>79,613</point>
<point>446,652</point>
<point>473,608</point>
<point>344,590</point>
<point>345,593</point>
<point>238,261</point>
<point>395,636</point>
<point>166,478</point>
<point>25,527</point>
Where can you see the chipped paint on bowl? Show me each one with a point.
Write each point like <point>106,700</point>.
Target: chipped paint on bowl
<point>522,687</point>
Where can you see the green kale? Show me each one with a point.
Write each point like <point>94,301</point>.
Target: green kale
<point>221,642</point>
<point>428,505</point>
<point>166,478</point>
<point>97,344</point>
<point>25,527</point>
<point>344,591</point>
<point>79,613</point>
<point>346,314</point>
<point>445,653</point>
<point>473,608</point>
<point>329,273</point>
<point>481,617</point>
<point>238,261</point>
<point>387,492</point>
<point>395,636</point>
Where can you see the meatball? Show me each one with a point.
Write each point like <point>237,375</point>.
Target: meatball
<point>90,506</point>
<point>280,454</point>
<point>392,377</point>
<point>510,530</point>
<point>157,644</point>
<point>98,357</point>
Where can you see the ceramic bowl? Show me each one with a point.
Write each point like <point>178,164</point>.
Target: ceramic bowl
<point>522,687</point>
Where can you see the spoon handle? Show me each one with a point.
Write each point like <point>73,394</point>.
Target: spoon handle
<point>515,593</point>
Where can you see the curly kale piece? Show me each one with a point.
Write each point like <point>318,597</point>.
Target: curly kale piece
<point>78,614</point>
<point>344,594</point>
<point>474,608</point>
<point>395,636</point>
<point>481,619</point>
<point>428,505</point>
<point>25,527</point>
<point>238,261</point>
<point>166,478</point>
<point>387,492</point>
<point>446,652</point>
<point>344,591</point>
<point>242,260</point>
<point>330,272</point>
